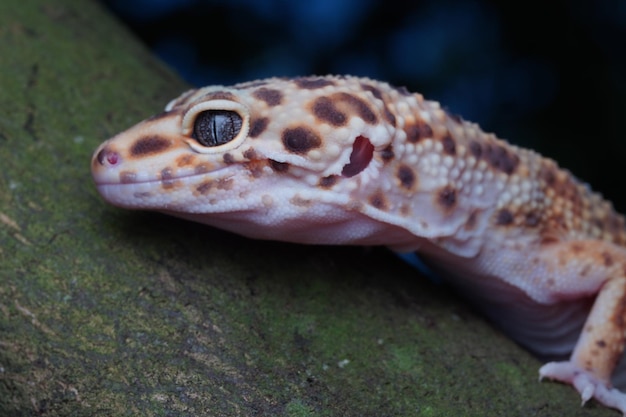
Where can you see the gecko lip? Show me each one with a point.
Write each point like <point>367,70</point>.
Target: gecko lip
<point>128,179</point>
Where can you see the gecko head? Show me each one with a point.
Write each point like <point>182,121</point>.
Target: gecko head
<point>269,151</point>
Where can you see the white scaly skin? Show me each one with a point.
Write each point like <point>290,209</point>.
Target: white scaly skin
<point>345,160</point>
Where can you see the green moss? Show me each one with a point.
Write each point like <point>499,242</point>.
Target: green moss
<point>297,408</point>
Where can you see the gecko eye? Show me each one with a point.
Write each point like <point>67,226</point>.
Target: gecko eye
<point>216,127</point>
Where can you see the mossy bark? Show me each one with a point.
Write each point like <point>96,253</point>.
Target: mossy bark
<point>109,312</point>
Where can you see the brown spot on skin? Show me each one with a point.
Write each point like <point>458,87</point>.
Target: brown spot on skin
<point>279,166</point>
<point>601,344</point>
<point>149,145</point>
<point>549,239</point>
<point>325,110</point>
<point>387,154</point>
<point>255,168</point>
<point>379,201</point>
<point>504,217</point>
<point>577,248</point>
<point>548,174</point>
<point>358,105</point>
<point>258,126</point>
<point>447,198</point>
<point>406,176</point>
<point>501,158</point>
<point>551,282</point>
<point>418,131</point>
<point>312,83</point>
<point>607,259</point>
<point>250,154</point>
<point>219,95</point>
<point>389,116</point>
<point>167,179</point>
<point>299,201</point>
<point>166,174</point>
<point>270,96</point>
<point>225,184</point>
<point>205,187</point>
<point>202,168</point>
<point>300,140</point>
<point>375,91</point>
<point>336,108</point>
<point>184,160</point>
<point>127,177</point>
<point>327,182</point>
<point>228,159</point>
<point>476,150</point>
<point>449,146</point>
<point>532,219</point>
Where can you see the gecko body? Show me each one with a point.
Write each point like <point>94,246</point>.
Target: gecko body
<point>347,160</point>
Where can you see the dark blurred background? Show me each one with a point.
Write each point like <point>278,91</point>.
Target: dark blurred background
<point>547,75</point>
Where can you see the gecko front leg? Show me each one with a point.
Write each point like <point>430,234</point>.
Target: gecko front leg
<point>601,343</point>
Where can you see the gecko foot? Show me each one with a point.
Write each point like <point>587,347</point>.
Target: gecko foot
<point>587,384</point>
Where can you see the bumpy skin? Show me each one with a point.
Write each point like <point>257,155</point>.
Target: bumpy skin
<point>345,160</point>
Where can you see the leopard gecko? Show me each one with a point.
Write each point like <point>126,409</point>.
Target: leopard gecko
<point>343,160</point>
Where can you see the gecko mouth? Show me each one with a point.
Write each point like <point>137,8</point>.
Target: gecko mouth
<point>166,179</point>
<point>165,190</point>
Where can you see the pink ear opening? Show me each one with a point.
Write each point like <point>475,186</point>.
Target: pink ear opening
<point>362,153</point>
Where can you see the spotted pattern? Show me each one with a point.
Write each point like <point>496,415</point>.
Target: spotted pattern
<point>379,201</point>
<point>447,198</point>
<point>406,176</point>
<point>387,154</point>
<point>387,114</point>
<point>300,140</point>
<point>496,155</point>
<point>279,166</point>
<point>149,145</point>
<point>328,182</point>
<point>313,83</point>
<point>338,147</point>
<point>337,109</point>
<point>258,126</point>
<point>220,95</point>
<point>418,131</point>
<point>449,146</point>
<point>504,218</point>
<point>270,96</point>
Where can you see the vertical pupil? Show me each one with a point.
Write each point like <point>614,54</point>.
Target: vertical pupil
<point>216,127</point>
